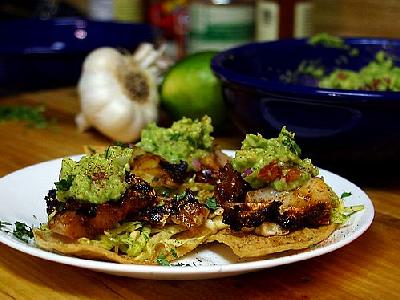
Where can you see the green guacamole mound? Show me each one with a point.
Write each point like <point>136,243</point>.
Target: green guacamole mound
<point>96,178</point>
<point>185,140</point>
<point>257,152</point>
<point>379,75</point>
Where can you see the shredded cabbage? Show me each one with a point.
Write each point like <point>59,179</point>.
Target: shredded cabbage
<point>341,214</point>
<point>137,240</point>
<point>129,238</point>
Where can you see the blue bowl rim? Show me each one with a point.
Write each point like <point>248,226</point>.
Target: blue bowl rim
<point>297,90</point>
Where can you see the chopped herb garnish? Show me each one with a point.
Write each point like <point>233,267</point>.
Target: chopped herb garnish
<point>211,203</point>
<point>121,144</point>
<point>162,260</point>
<point>65,184</point>
<point>289,142</point>
<point>33,116</point>
<point>107,153</point>
<point>174,136</point>
<point>22,232</point>
<point>313,246</point>
<point>345,194</point>
<point>165,193</point>
<point>173,252</point>
<point>181,196</point>
<point>3,226</point>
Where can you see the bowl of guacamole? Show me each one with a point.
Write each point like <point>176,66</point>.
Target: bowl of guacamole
<point>340,96</point>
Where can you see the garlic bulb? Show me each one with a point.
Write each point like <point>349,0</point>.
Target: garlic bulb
<point>118,92</point>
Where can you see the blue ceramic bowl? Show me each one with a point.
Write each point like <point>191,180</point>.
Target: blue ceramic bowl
<point>334,127</point>
<point>44,54</point>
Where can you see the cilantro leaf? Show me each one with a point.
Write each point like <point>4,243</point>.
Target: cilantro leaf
<point>345,194</point>
<point>65,184</point>
<point>181,196</point>
<point>33,116</point>
<point>107,153</point>
<point>4,225</point>
<point>288,140</point>
<point>173,252</point>
<point>211,203</point>
<point>22,232</point>
<point>162,260</point>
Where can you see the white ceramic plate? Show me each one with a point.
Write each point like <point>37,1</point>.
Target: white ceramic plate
<point>22,199</point>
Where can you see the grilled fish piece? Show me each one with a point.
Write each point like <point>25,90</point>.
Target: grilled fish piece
<point>158,172</point>
<point>185,211</point>
<point>230,186</point>
<point>71,223</point>
<point>307,206</point>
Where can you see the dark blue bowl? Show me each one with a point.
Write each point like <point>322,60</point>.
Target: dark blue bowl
<point>334,127</point>
<point>38,54</point>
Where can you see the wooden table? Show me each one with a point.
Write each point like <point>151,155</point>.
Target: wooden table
<point>368,268</point>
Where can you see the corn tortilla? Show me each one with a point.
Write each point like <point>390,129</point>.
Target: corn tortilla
<point>246,245</point>
<point>187,240</point>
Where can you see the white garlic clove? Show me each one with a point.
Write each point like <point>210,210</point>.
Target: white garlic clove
<point>118,92</point>
<point>102,59</point>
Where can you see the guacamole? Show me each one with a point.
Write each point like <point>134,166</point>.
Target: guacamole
<point>330,41</point>
<point>327,40</point>
<point>379,75</point>
<point>257,152</point>
<point>96,178</point>
<point>185,140</point>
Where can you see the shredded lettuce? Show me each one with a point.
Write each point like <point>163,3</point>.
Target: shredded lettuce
<point>341,214</point>
<point>129,238</point>
<point>137,240</point>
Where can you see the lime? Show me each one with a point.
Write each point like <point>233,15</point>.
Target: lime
<point>191,89</point>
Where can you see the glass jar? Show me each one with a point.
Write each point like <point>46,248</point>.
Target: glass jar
<point>220,24</point>
<point>117,10</point>
<point>277,19</point>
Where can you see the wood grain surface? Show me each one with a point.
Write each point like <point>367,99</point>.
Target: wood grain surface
<point>368,268</point>
<point>357,17</point>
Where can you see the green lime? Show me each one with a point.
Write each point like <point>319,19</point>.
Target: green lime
<point>191,89</point>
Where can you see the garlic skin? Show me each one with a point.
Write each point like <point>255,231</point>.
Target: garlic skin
<point>118,93</point>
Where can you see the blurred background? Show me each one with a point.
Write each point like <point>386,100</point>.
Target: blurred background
<point>178,20</point>
<point>185,26</point>
<point>43,44</point>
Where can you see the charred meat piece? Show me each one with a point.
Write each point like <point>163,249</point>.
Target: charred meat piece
<point>176,171</point>
<point>182,210</point>
<point>159,172</point>
<point>70,222</point>
<point>306,206</point>
<point>230,186</point>
<point>207,167</point>
<point>249,215</point>
<point>312,216</point>
<point>206,176</point>
<point>84,209</point>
